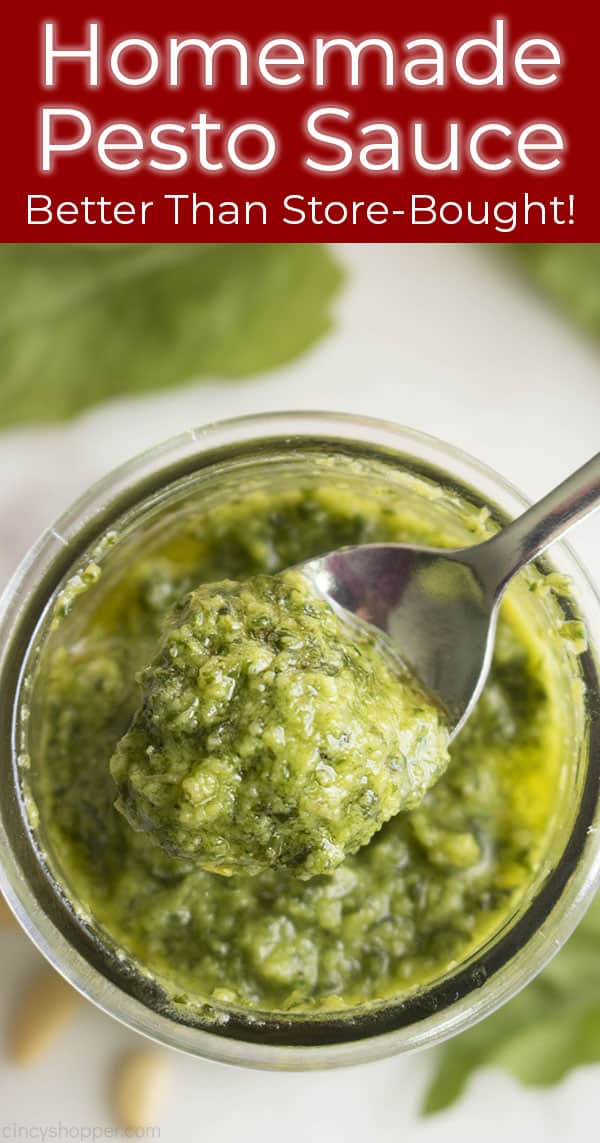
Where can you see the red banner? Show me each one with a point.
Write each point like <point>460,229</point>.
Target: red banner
<point>323,123</point>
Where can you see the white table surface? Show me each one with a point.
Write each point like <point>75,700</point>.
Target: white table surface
<point>442,338</point>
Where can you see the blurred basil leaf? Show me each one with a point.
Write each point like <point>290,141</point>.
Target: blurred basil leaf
<point>570,275</point>
<point>83,323</point>
<point>550,1028</point>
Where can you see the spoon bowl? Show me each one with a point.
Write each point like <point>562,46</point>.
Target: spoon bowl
<point>439,607</point>
<point>432,605</point>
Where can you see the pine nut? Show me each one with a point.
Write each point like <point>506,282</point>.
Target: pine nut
<point>41,1014</point>
<point>140,1089</point>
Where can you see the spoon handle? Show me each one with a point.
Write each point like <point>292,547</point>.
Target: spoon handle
<point>527,536</point>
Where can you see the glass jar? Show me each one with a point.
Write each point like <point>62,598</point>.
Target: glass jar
<point>267,451</point>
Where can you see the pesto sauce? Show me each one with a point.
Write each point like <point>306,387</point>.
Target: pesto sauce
<point>272,734</point>
<point>430,886</point>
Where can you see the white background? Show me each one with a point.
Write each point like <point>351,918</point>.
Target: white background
<point>445,339</point>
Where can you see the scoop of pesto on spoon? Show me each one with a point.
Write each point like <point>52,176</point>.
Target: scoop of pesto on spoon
<point>270,733</point>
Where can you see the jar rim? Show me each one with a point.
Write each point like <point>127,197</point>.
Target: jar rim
<point>497,972</point>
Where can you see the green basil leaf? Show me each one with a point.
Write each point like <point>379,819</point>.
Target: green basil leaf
<point>550,1028</point>
<point>81,324</point>
<point>569,275</point>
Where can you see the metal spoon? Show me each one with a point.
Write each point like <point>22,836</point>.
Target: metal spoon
<point>439,607</point>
